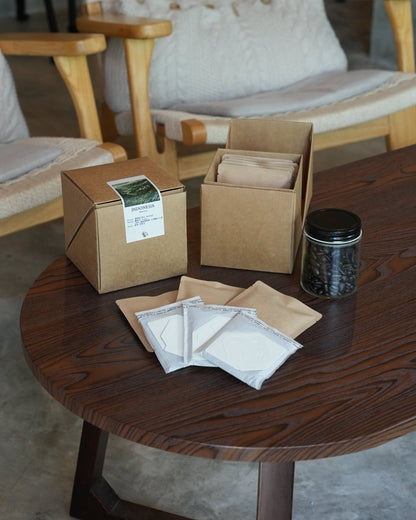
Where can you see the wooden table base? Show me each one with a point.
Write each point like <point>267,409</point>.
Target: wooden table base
<point>94,499</point>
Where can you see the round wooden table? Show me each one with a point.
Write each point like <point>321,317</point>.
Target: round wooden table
<point>352,386</point>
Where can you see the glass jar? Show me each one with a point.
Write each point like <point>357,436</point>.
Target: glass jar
<point>330,253</point>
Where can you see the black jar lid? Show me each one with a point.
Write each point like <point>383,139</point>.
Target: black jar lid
<point>333,225</point>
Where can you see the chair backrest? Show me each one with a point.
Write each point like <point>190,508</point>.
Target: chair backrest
<point>221,49</point>
<point>12,122</point>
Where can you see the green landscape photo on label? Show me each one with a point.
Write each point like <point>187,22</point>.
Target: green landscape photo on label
<point>139,191</point>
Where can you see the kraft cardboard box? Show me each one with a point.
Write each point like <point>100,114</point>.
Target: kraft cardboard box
<point>257,228</point>
<point>95,234</point>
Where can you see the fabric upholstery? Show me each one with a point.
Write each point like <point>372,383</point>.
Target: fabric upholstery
<point>12,123</point>
<point>369,95</point>
<point>222,49</point>
<point>397,93</point>
<point>17,158</point>
<point>44,184</point>
<point>313,92</point>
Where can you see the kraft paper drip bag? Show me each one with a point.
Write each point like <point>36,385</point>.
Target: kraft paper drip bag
<point>211,292</point>
<point>285,313</point>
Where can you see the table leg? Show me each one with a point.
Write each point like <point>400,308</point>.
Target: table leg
<point>90,464</point>
<point>92,497</point>
<point>275,491</point>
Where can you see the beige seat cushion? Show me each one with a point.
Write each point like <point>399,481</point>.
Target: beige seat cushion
<point>313,92</point>
<point>397,93</point>
<point>44,184</point>
<point>17,158</point>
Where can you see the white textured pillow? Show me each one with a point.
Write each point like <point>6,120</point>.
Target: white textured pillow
<point>12,123</point>
<point>226,50</point>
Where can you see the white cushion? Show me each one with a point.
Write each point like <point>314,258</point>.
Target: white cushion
<point>43,184</point>
<point>17,158</point>
<point>324,89</point>
<point>12,123</point>
<point>232,50</point>
<point>397,93</point>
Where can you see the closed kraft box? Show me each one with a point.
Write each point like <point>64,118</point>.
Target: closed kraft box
<point>257,228</point>
<point>95,236</point>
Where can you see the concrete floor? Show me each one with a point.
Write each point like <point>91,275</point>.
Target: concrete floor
<point>39,437</point>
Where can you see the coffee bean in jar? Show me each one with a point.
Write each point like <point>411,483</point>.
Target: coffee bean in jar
<point>330,253</point>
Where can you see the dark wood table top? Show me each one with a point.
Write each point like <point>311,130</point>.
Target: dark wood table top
<point>352,386</point>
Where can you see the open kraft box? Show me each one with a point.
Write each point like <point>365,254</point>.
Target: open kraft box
<point>95,236</point>
<point>257,228</point>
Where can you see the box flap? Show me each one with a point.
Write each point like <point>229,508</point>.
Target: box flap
<point>276,135</point>
<point>92,181</point>
<point>77,206</point>
<point>83,250</point>
<point>269,135</point>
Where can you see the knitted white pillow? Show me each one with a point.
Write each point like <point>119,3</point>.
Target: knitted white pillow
<point>12,123</point>
<point>226,50</point>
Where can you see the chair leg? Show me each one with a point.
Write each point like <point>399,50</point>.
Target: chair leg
<point>21,14</point>
<point>108,123</point>
<point>168,157</point>
<point>402,129</point>
<point>72,15</point>
<point>50,13</point>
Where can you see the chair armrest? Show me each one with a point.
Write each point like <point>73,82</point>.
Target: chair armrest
<point>51,44</point>
<point>117,151</point>
<point>123,26</point>
<point>138,35</point>
<point>70,53</point>
<point>400,15</point>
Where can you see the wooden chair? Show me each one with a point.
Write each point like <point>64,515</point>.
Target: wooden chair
<point>381,106</point>
<point>32,197</point>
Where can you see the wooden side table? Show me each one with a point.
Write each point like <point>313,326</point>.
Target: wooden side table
<point>352,386</point>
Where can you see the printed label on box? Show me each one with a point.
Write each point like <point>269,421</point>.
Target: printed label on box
<point>143,207</point>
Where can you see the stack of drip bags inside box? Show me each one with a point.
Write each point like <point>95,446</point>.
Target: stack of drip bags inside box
<point>248,333</point>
